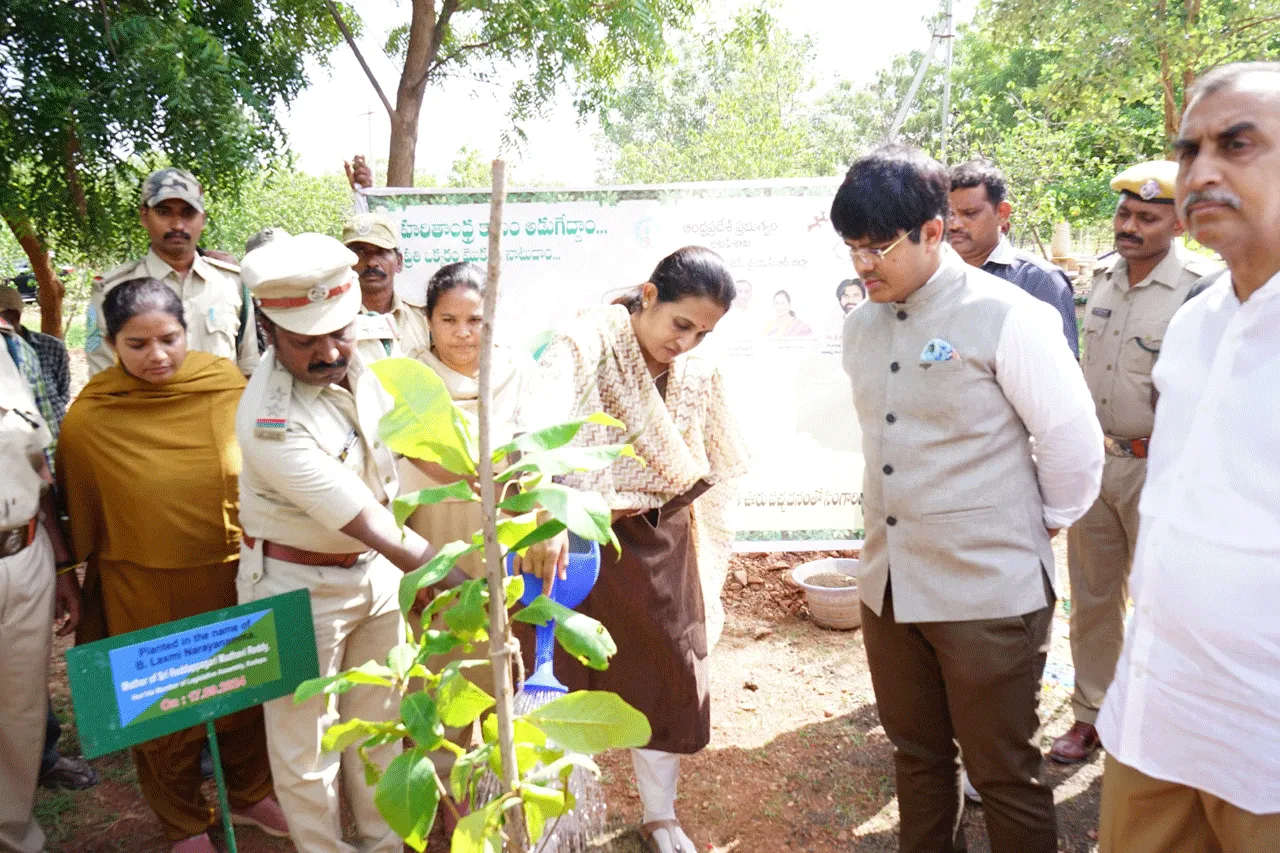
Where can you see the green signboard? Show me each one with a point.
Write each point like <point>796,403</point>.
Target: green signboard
<point>149,683</point>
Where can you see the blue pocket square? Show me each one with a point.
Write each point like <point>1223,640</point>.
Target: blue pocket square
<point>938,350</point>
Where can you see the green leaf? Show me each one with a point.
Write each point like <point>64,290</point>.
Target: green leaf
<point>437,643</point>
<point>566,460</point>
<point>543,533</point>
<point>513,530</point>
<point>424,424</point>
<point>347,733</point>
<point>553,436</point>
<point>404,505</point>
<point>400,660</point>
<point>478,831</point>
<point>433,572</point>
<point>585,513</point>
<point>465,768</point>
<point>418,710</point>
<point>541,803</point>
<point>315,686</point>
<point>469,617</point>
<point>562,766</point>
<point>513,588</point>
<point>591,721</point>
<point>407,796</point>
<point>580,635</point>
<point>372,772</point>
<point>459,701</point>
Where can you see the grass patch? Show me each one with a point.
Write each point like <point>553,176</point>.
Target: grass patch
<point>57,813</point>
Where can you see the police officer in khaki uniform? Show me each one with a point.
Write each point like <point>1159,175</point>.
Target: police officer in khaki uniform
<point>398,326</point>
<point>37,584</point>
<point>1130,305</point>
<point>314,491</point>
<point>219,313</point>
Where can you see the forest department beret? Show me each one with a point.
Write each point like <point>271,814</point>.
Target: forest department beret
<point>304,284</point>
<point>164,184</point>
<point>372,228</point>
<point>1150,181</point>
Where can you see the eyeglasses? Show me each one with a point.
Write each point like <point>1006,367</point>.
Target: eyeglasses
<point>870,256</point>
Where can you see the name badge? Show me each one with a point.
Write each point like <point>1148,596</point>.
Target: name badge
<point>1102,312</point>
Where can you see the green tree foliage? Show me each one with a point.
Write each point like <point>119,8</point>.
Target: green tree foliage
<point>1106,57</point>
<point>583,45</point>
<point>94,95</point>
<point>284,198</point>
<point>732,105</point>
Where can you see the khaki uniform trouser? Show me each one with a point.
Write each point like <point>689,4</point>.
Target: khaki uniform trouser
<point>26,636</point>
<point>1145,815</point>
<point>357,619</point>
<point>1099,556</point>
<point>974,683</point>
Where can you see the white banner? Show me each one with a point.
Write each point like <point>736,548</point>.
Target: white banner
<point>778,348</point>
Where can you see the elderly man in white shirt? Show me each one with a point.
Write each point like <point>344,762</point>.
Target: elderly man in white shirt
<point>1191,723</point>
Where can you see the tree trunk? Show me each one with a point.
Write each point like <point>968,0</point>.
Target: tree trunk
<point>49,293</point>
<point>419,54</point>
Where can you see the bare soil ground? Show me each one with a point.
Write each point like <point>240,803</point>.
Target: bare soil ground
<point>798,760</point>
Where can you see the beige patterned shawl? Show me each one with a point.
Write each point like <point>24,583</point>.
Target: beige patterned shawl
<point>597,365</point>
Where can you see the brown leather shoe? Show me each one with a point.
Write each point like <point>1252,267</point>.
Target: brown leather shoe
<point>1076,745</point>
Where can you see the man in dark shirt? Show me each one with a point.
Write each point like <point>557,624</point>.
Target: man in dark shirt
<point>979,210</point>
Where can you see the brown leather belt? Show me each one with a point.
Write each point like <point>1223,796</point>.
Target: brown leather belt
<point>1134,448</point>
<point>15,540</point>
<point>302,557</point>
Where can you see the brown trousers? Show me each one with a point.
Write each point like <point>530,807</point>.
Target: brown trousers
<point>168,768</point>
<point>972,686</point>
<point>1145,815</point>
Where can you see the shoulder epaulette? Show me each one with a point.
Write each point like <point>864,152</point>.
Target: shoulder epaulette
<point>218,263</point>
<point>272,419</point>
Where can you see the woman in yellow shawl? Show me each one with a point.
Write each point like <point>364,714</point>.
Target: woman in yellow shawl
<point>659,597</point>
<point>148,462</point>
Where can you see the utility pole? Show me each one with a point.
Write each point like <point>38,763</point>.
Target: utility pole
<point>944,34</point>
<point>368,115</point>
<point>948,30</point>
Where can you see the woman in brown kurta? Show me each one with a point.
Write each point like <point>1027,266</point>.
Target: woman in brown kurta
<point>631,360</point>
<point>148,463</point>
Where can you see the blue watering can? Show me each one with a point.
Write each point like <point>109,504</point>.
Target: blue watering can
<point>583,571</point>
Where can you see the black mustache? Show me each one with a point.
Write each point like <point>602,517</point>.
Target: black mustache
<point>373,272</point>
<point>183,234</point>
<point>326,366</point>
<point>1124,236</point>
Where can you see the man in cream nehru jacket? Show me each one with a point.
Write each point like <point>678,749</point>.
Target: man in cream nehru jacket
<point>954,372</point>
<point>314,491</point>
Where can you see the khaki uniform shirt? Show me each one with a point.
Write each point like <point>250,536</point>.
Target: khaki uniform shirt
<point>212,296</point>
<point>23,439</point>
<point>401,332</point>
<point>312,457</point>
<point>1124,326</point>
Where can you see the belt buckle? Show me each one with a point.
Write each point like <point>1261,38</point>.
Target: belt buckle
<point>15,539</point>
<point>1116,447</point>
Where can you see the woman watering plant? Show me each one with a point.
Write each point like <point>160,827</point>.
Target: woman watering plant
<point>148,462</point>
<point>631,360</point>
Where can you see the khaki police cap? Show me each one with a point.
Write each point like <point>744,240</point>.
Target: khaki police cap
<point>1150,181</point>
<point>304,283</point>
<point>372,228</point>
<point>164,184</point>
<point>10,298</point>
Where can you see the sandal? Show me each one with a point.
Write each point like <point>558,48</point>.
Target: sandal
<point>647,831</point>
<point>71,772</point>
